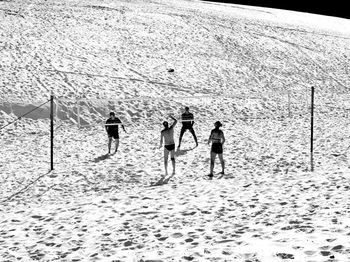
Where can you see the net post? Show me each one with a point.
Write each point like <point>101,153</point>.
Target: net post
<point>52,128</point>
<point>312,129</point>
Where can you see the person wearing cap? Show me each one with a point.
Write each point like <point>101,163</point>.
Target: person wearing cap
<point>167,134</point>
<point>217,139</point>
<point>112,130</point>
<point>187,124</point>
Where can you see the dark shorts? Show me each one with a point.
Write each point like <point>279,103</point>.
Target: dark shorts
<point>114,135</point>
<point>170,147</point>
<point>184,127</point>
<point>216,148</point>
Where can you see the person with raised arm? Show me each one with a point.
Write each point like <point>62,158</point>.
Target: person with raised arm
<point>112,129</point>
<point>167,134</point>
<point>217,139</point>
<point>187,120</point>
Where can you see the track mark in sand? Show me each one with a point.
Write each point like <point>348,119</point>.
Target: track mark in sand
<point>299,47</point>
<point>104,8</point>
<point>26,187</point>
<point>85,177</point>
<point>145,79</point>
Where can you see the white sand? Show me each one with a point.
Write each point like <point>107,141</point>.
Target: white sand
<point>268,207</point>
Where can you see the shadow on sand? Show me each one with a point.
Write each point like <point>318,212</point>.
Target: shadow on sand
<point>101,158</point>
<point>163,180</point>
<point>181,152</point>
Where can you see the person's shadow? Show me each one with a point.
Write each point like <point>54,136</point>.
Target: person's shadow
<point>181,152</point>
<point>163,180</point>
<point>101,158</point>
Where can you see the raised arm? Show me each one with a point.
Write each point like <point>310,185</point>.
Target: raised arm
<point>175,121</point>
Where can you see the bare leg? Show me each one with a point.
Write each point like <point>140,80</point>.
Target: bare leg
<point>173,160</point>
<point>222,163</point>
<point>212,162</point>
<point>116,145</point>
<point>166,155</point>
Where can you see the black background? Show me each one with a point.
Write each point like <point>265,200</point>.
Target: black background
<point>330,8</point>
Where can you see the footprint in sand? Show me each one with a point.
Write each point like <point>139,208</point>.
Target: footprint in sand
<point>339,249</point>
<point>325,253</point>
<point>177,235</point>
<point>285,255</point>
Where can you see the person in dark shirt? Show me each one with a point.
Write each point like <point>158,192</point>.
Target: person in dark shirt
<point>187,124</point>
<point>112,129</point>
<point>218,139</point>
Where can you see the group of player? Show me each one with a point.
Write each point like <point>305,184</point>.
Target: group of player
<point>216,138</point>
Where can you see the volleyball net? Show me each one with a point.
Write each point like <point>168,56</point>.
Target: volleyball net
<point>154,110</point>
<point>261,123</point>
<point>226,107</point>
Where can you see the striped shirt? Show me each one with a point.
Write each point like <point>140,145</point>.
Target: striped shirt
<point>187,116</point>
